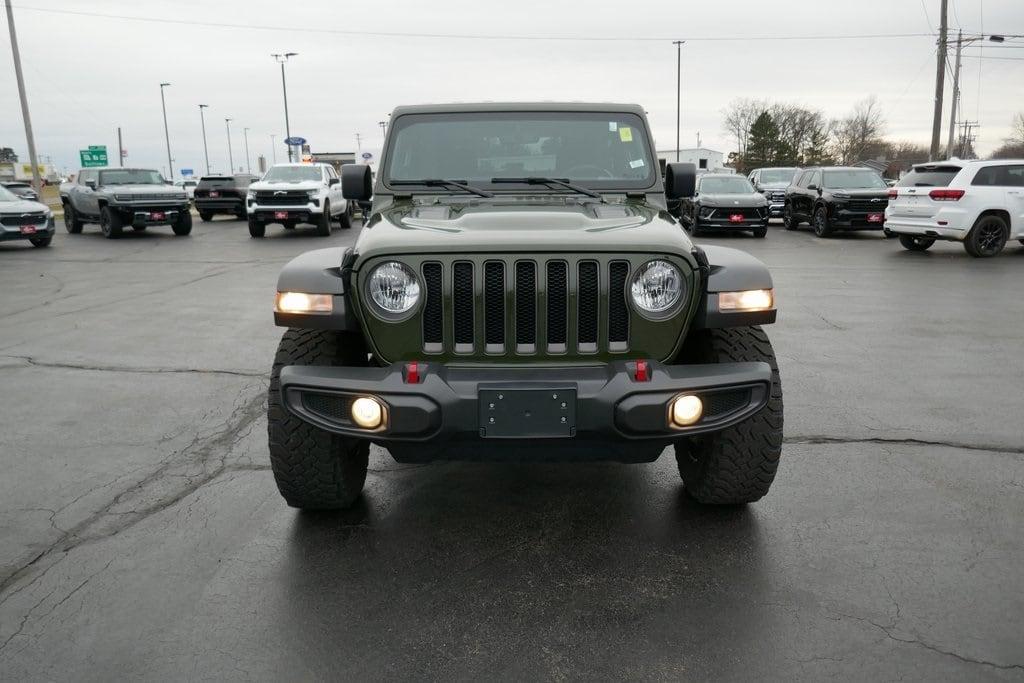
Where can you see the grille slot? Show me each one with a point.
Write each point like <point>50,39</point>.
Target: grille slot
<point>618,314</point>
<point>462,306</point>
<point>558,305</point>
<point>433,312</point>
<point>589,290</point>
<point>33,219</point>
<point>724,402</point>
<point>494,306</point>
<point>288,198</point>
<point>526,307</point>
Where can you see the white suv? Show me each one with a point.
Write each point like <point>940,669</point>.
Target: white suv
<point>297,193</point>
<point>979,203</point>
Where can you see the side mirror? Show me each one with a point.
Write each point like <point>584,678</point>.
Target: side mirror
<point>333,181</point>
<point>356,182</point>
<point>680,180</point>
<point>91,184</point>
<point>812,187</point>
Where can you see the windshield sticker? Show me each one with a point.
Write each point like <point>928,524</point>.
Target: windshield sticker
<point>626,134</point>
<point>636,163</point>
<point>613,126</point>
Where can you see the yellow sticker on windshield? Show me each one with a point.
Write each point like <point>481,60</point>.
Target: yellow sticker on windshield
<point>626,134</point>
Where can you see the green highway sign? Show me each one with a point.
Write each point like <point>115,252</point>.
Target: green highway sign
<point>96,155</point>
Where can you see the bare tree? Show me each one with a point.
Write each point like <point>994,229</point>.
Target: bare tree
<point>1017,130</point>
<point>859,131</point>
<point>739,117</point>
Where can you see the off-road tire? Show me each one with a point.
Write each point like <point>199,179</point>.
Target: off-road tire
<point>323,226</point>
<point>110,223</point>
<point>314,469</point>
<point>822,223</point>
<point>41,241</point>
<point>345,219</point>
<point>205,216</point>
<point>738,464</point>
<point>760,232</point>
<point>914,243</point>
<point>789,221</point>
<point>71,221</point>
<point>987,237</point>
<point>183,225</point>
<point>256,228</point>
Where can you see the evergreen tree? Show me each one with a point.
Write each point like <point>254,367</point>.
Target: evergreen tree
<point>763,149</point>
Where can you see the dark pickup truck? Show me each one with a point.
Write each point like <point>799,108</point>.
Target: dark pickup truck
<point>117,198</point>
<point>222,194</point>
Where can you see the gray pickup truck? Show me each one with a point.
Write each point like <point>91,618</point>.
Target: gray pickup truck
<point>118,198</point>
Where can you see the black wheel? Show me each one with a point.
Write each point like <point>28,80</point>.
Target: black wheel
<point>914,243</point>
<point>314,469</point>
<point>987,237</point>
<point>205,216</point>
<point>822,223</point>
<point>110,223</point>
<point>183,225</point>
<point>345,219</point>
<point>789,221</point>
<point>323,226</point>
<point>71,221</point>
<point>41,241</point>
<point>738,464</point>
<point>256,228</point>
<point>761,232</point>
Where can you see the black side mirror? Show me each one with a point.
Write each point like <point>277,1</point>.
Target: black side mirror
<point>333,181</point>
<point>91,184</point>
<point>812,187</point>
<point>356,182</point>
<point>680,180</point>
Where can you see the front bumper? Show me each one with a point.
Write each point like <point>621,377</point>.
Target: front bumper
<point>10,233</point>
<point>305,213</point>
<point>724,223</point>
<point>845,219</point>
<point>146,214</point>
<point>594,412</point>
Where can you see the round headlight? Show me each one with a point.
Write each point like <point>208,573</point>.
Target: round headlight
<point>393,288</point>
<point>657,287</point>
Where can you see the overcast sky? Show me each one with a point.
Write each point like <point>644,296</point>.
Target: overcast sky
<point>86,75</point>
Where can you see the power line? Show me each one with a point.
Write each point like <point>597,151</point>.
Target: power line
<point>465,36</point>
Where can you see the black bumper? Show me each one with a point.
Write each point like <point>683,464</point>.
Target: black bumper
<point>11,233</point>
<point>294,215</point>
<point>726,224</point>
<point>857,220</point>
<point>597,412</point>
<point>220,205</point>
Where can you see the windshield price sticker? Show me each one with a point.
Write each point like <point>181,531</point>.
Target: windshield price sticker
<point>636,163</point>
<point>626,134</point>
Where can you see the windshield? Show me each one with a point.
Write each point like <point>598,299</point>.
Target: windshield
<point>7,196</point>
<point>594,149</point>
<point>777,175</point>
<point>131,176</point>
<point>929,176</point>
<point>854,180</point>
<point>292,174</point>
<point>737,185</point>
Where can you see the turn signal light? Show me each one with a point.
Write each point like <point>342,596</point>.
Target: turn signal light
<point>748,300</point>
<point>946,195</point>
<point>686,410</point>
<point>300,302</point>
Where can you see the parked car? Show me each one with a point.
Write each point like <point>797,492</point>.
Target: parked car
<point>523,294</point>
<point>24,219</point>
<point>289,194</point>
<point>188,185</point>
<point>725,202</point>
<point>220,194</point>
<point>22,189</point>
<point>119,198</point>
<point>834,198</point>
<point>772,183</point>
<point>979,203</point>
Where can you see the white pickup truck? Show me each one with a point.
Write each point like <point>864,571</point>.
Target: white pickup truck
<point>297,193</point>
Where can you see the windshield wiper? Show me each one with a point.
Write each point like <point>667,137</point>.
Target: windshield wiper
<point>561,182</point>
<point>440,182</point>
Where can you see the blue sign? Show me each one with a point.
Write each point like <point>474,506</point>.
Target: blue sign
<point>295,141</point>
<point>367,156</point>
<point>186,171</point>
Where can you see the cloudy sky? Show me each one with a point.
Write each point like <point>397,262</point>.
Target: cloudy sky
<point>88,74</point>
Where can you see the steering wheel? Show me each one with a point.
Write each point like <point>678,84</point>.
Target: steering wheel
<point>601,172</point>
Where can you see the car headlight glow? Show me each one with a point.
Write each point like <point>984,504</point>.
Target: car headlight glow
<point>301,302</point>
<point>657,287</point>
<point>748,300</point>
<point>393,288</point>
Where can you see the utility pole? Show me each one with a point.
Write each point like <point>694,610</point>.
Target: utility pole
<point>679,86</point>
<point>248,166</point>
<point>273,147</point>
<point>206,151</point>
<point>940,81</point>
<point>120,148</point>
<point>281,59</point>
<point>383,127</point>
<point>956,93</point>
<point>167,135</point>
<point>231,159</point>
<point>37,182</point>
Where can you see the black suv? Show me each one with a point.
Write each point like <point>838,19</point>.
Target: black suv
<point>833,198</point>
<point>725,202</point>
<point>222,194</point>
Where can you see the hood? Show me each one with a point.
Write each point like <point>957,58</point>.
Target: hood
<point>861,194</point>
<point>782,185</point>
<point>300,185</point>
<point>732,200</point>
<point>149,188</point>
<point>22,206</point>
<point>522,225</point>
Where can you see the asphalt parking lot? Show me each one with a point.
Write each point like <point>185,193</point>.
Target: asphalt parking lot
<point>142,537</point>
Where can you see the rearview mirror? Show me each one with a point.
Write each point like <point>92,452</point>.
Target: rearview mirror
<point>356,182</point>
<point>680,180</point>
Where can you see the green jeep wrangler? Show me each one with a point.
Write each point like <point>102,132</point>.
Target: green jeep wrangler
<point>519,291</point>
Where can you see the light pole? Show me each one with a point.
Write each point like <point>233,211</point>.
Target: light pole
<point>206,151</point>
<point>167,135</point>
<point>231,159</point>
<point>273,147</point>
<point>248,166</point>
<point>37,182</point>
<point>679,87</point>
<point>960,42</point>
<point>281,59</point>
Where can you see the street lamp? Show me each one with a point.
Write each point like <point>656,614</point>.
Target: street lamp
<point>231,159</point>
<point>679,83</point>
<point>206,151</point>
<point>167,135</point>
<point>248,166</point>
<point>281,59</point>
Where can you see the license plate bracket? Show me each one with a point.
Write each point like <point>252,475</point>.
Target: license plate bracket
<point>536,413</point>
<point>214,193</point>
<point>157,216</point>
<point>875,217</point>
<point>281,215</point>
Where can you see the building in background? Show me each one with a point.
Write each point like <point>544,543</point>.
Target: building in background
<point>16,170</point>
<point>706,160</point>
<point>335,159</point>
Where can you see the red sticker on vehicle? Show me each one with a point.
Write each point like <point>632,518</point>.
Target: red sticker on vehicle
<point>736,218</point>
<point>875,218</point>
<point>280,214</point>
<point>158,215</point>
<point>214,193</point>
<point>28,230</point>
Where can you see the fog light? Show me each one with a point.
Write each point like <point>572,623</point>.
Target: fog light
<point>748,300</point>
<point>686,410</point>
<point>367,413</point>
<point>300,302</point>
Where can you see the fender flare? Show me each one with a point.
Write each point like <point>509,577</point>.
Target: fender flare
<point>730,270</point>
<point>321,271</point>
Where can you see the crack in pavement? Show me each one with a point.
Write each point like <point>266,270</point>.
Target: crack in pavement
<point>820,439</point>
<point>30,360</point>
